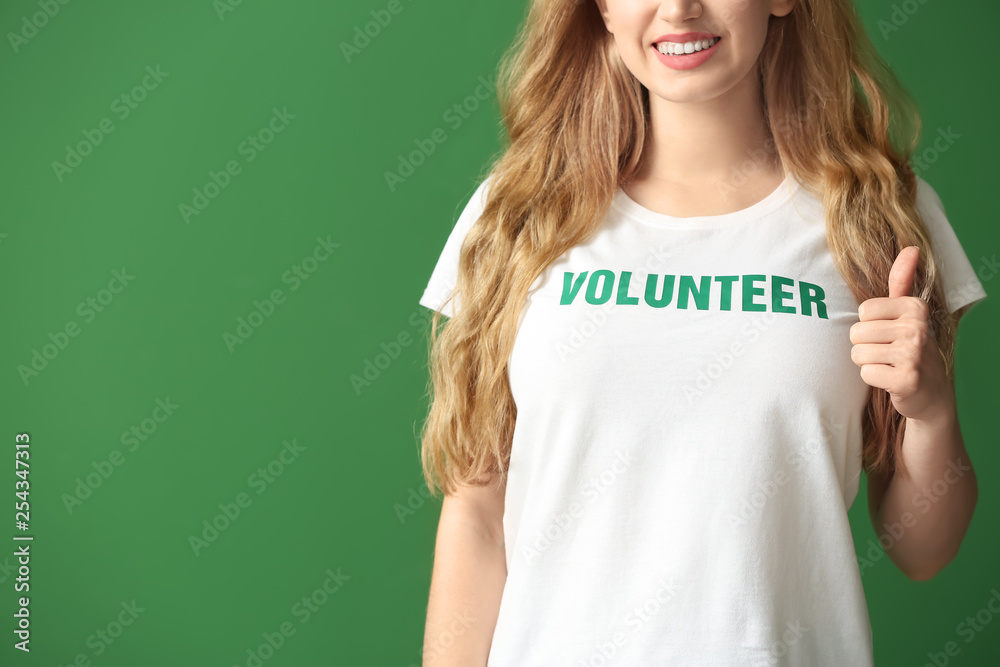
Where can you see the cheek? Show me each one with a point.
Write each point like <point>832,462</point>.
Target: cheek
<point>737,10</point>
<point>748,21</point>
<point>632,52</point>
<point>631,24</point>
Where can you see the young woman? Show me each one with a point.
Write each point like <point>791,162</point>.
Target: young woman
<point>698,294</point>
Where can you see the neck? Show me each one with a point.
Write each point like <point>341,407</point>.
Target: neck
<point>709,141</point>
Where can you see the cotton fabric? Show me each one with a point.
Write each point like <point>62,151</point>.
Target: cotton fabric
<point>681,469</point>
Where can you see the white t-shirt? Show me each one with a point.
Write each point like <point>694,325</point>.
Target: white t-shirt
<point>684,458</point>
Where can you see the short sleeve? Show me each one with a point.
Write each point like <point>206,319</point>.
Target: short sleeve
<point>958,277</point>
<point>445,274</point>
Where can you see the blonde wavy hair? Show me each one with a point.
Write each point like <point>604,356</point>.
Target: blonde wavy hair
<point>576,121</point>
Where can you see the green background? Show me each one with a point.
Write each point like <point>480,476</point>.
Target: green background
<point>322,176</point>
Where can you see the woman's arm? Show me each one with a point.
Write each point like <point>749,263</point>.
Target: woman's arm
<point>926,515</point>
<point>468,578</point>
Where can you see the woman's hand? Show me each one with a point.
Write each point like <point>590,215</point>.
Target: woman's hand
<point>896,350</point>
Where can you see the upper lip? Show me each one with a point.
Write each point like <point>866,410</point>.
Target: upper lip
<point>684,37</point>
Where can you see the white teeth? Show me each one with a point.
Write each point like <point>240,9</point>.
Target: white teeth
<point>676,48</point>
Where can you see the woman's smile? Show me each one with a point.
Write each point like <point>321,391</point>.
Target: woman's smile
<point>685,51</point>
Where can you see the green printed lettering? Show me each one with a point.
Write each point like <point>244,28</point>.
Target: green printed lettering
<point>665,297</point>
<point>701,294</point>
<point>569,293</point>
<point>727,291</point>
<point>778,295</point>
<point>607,286</point>
<point>623,298</point>
<point>810,294</point>
<point>749,292</point>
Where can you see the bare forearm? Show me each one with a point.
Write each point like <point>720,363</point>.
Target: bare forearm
<point>466,585</point>
<point>925,515</point>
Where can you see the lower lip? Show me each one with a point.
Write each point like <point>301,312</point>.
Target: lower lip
<point>688,60</point>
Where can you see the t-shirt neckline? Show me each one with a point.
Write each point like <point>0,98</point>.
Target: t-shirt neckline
<point>774,200</point>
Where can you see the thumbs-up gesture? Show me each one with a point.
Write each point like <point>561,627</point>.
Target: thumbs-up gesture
<point>895,348</point>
